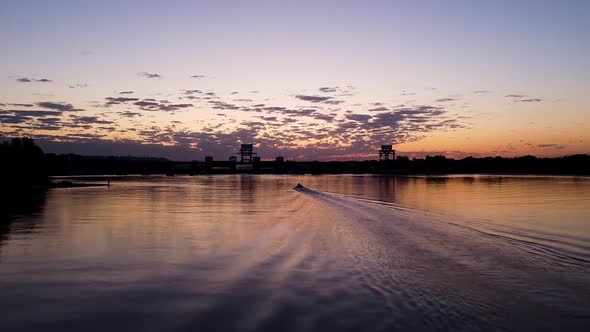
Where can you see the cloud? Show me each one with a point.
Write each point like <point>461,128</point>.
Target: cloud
<point>174,107</point>
<point>129,114</point>
<point>52,121</point>
<point>551,146</point>
<point>21,105</point>
<point>48,127</point>
<point>313,99</point>
<point>29,80</point>
<point>13,119</point>
<point>197,76</point>
<point>125,92</point>
<point>334,102</point>
<point>385,120</point>
<point>278,129</point>
<point>149,75</point>
<point>151,105</point>
<point>327,89</point>
<point>379,109</point>
<point>292,112</point>
<point>78,85</point>
<point>223,106</point>
<point>57,106</point>
<point>421,110</point>
<point>445,100</point>
<point>357,136</point>
<point>481,91</point>
<point>358,117</point>
<point>522,98</point>
<point>119,100</point>
<point>532,100</point>
<point>324,117</point>
<point>89,120</point>
<point>267,118</point>
<point>35,113</point>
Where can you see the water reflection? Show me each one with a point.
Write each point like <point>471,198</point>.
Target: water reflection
<point>18,213</point>
<point>350,253</point>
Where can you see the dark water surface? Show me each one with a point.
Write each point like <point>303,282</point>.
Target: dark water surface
<point>346,253</point>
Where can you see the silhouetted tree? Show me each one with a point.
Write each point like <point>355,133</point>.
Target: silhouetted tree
<point>23,164</point>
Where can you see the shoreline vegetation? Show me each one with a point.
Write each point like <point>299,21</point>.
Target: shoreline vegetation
<point>26,167</point>
<point>25,170</point>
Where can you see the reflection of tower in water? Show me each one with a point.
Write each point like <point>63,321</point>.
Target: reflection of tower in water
<point>248,191</point>
<point>386,191</point>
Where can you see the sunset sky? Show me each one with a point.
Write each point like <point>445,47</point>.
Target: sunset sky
<point>309,80</point>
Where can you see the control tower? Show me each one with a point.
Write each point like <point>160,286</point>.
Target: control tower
<point>246,153</point>
<point>386,152</point>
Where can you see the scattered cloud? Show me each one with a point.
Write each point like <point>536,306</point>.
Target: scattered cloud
<point>358,117</point>
<point>7,119</point>
<point>379,109</point>
<point>531,100</point>
<point>223,106</point>
<point>89,120</point>
<point>51,121</point>
<point>324,117</point>
<point>445,100</point>
<point>313,99</point>
<point>21,105</point>
<point>30,80</point>
<point>522,98</point>
<point>551,146</point>
<point>267,118</point>
<point>149,75</point>
<point>57,106</point>
<point>35,113</point>
<point>129,114</point>
<point>163,105</point>
<point>322,128</point>
<point>119,100</point>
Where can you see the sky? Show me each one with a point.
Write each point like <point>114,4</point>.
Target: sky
<point>307,80</point>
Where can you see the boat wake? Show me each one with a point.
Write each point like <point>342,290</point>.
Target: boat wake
<point>562,248</point>
<point>451,267</point>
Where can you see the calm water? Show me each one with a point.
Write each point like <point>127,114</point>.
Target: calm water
<point>249,253</point>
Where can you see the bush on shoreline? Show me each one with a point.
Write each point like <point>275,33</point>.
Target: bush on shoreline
<point>23,164</point>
